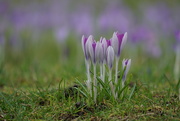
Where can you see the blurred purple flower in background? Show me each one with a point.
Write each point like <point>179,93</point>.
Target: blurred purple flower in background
<point>82,22</point>
<point>147,24</point>
<point>114,18</point>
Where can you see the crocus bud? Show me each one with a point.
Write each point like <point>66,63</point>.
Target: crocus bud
<point>126,63</point>
<point>110,57</point>
<point>94,49</point>
<point>85,41</point>
<point>101,53</point>
<point>105,44</point>
<point>118,41</point>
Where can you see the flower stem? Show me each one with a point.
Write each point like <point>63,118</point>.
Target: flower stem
<point>95,84</point>
<point>89,84</point>
<point>101,73</point>
<point>116,74</point>
<point>111,84</point>
<point>104,70</point>
<point>116,71</point>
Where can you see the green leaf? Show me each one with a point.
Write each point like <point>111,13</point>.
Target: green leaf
<point>132,92</point>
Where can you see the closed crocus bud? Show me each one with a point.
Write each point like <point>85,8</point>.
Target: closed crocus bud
<point>94,49</point>
<point>126,63</point>
<point>105,44</point>
<point>118,41</point>
<point>101,53</point>
<point>110,57</point>
<point>98,51</point>
<point>84,47</point>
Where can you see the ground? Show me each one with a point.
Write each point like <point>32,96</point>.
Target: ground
<point>31,88</point>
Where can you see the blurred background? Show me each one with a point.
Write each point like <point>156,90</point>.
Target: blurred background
<point>41,39</point>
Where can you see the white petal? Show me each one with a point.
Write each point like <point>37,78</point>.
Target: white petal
<point>97,51</point>
<point>115,43</point>
<point>128,65</point>
<point>110,56</point>
<point>124,40</point>
<point>90,48</point>
<point>101,53</point>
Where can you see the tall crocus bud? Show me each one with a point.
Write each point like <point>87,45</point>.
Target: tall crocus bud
<point>110,57</point>
<point>126,63</point>
<point>85,44</point>
<point>101,53</point>
<point>118,41</point>
<point>104,59</point>
<point>105,44</point>
<point>94,49</point>
<point>110,60</point>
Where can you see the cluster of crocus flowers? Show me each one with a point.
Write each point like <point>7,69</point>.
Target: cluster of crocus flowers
<point>104,52</point>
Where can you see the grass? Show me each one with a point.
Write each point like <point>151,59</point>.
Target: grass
<point>37,84</point>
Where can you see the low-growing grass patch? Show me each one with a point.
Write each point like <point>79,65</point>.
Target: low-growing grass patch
<point>46,89</point>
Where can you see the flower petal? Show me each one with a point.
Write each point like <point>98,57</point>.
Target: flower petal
<point>110,56</point>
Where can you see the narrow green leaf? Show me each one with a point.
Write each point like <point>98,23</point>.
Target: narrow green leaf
<point>132,92</point>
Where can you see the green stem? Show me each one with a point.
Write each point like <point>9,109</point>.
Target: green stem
<point>89,84</point>
<point>104,70</point>
<point>95,84</point>
<point>116,71</point>
<point>111,84</point>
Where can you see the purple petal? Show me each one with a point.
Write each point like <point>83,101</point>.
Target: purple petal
<point>108,43</point>
<point>126,62</point>
<point>120,37</point>
<point>94,47</point>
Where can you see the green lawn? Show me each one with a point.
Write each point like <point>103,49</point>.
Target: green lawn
<point>36,84</point>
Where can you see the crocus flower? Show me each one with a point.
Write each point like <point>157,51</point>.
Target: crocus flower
<point>110,57</point>
<point>126,63</point>
<point>101,60</point>
<point>94,48</point>
<point>118,42</point>
<point>85,42</point>
<point>104,44</point>
<point>101,53</point>
<point>84,46</point>
<point>110,60</point>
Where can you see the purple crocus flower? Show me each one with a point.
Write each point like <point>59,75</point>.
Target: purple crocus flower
<point>126,64</point>
<point>118,42</point>
<point>94,48</point>
<point>86,42</point>
<point>110,56</point>
<point>84,46</point>
<point>105,44</point>
<point>101,53</point>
